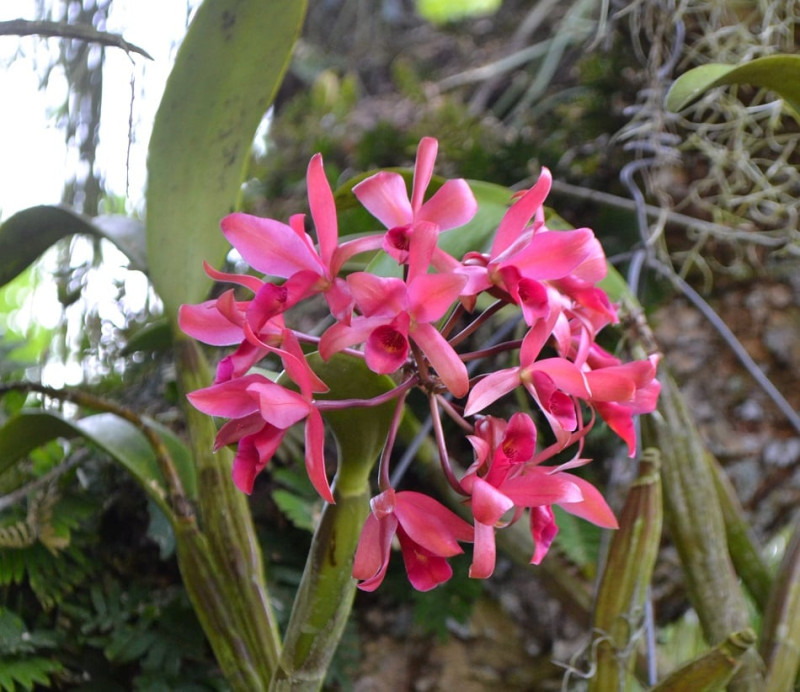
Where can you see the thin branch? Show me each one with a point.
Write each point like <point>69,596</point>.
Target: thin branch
<point>672,217</point>
<point>177,495</point>
<point>732,342</point>
<point>19,494</point>
<point>80,32</point>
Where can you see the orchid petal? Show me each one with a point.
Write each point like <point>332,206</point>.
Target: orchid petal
<point>323,209</point>
<point>384,195</point>
<point>340,299</point>
<point>610,384</point>
<point>430,524</point>
<point>240,361</point>
<point>552,254</point>
<point>238,428</point>
<point>431,295</point>
<point>386,349</point>
<point>543,530</point>
<point>269,246</point>
<point>535,339</point>
<point>620,419</point>
<point>520,213</point>
<point>342,335</point>
<point>297,367</point>
<point>488,503</point>
<point>351,248</point>
<point>234,311</point>
<point>205,323</point>
<point>565,374</point>
<point>253,454</point>
<point>557,406</point>
<point>536,487</point>
<point>484,552</point>
<point>646,398</point>
<point>245,280</point>
<point>227,399</point>
<point>377,295</point>
<point>422,245</point>
<point>519,441</point>
<point>315,455</point>
<point>452,205</point>
<point>279,406</point>
<point>423,170</point>
<point>372,555</point>
<point>592,507</point>
<point>490,389</point>
<point>425,570</point>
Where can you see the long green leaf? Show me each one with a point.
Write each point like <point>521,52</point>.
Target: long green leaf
<point>26,235</point>
<point>113,435</point>
<point>779,73</point>
<point>781,626</point>
<point>225,76</point>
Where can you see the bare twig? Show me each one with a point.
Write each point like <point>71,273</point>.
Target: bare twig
<point>177,495</point>
<point>80,32</point>
<point>19,494</point>
<point>718,230</point>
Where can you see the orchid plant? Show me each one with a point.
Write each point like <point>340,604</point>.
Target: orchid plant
<point>414,327</point>
<point>404,313</point>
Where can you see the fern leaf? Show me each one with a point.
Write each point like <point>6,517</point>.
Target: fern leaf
<point>27,672</point>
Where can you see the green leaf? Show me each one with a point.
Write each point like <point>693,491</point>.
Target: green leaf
<point>113,435</point>
<point>299,510</point>
<point>225,76</point>
<point>493,202</point>
<point>360,431</point>
<point>779,73</point>
<point>443,11</point>
<point>156,336</point>
<point>26,235</point>
<point>580,540</point>
<point>27,672</point>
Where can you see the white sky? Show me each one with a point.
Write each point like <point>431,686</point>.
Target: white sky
<point>33,158</point>
<point>35,163</point>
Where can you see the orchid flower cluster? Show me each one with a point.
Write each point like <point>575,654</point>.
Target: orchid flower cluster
<point>406,327</point>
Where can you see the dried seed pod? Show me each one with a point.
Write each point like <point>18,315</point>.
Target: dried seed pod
<point>628,570</point>
<point>714,669</point>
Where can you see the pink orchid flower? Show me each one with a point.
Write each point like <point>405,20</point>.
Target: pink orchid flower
<point>514,479</point>
<point>428,534</point>
<point>554,383</point>
<point>287,251</point>
<point>385,196</point>
<point>527,253</point>
<point>622,390</point>
<point>394,312</point>
<point>244,398</point>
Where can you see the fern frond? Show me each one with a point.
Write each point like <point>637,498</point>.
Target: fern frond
<point>20,534</point>
<point>24,673</point>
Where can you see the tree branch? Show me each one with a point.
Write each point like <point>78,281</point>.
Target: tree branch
<point>81,32</point>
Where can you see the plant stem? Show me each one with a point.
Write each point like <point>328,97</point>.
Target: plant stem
<point>179,504</point>
<point>325,597</point>
<point>234,553</point>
